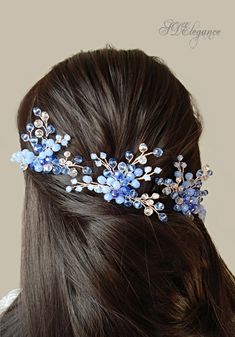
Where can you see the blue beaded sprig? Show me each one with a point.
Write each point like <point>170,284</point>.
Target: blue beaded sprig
<point>185,190</point>
<point>118,181</point>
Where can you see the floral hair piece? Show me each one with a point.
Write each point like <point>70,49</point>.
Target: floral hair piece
<point>118,181</point>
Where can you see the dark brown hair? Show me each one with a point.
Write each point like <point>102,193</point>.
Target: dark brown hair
<point>92,268</point>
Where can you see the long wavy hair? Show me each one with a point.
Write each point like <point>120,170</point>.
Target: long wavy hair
<point>90,268</point>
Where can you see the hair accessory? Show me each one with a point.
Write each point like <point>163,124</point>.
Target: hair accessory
<point>118,181</point>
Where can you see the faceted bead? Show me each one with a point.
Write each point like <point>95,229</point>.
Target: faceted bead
<point>108,196</point>
<point>147,177</point>
<point>33,140</point>
<point>67,154</point>
<point>98,163</point>
<point>129,155</point>
<point>188,176</point>
<point>103,155</point>
<point>39,133</point>
<point>162,217</point>
<point>58,138</point>
<point>87,170</point>
<point>143,147</point>
<point>135,183</point>
<point>184,207</point>
<point>199,173</point>
<point>166,190</point>
<point>159,181</point>
<point>159,206</point>
<point>49,142</point>
<point>62,161</point>
<point>107,173</point>
<point>147,169</point>
<point>114,193</point>
<point>29,127</point>
<point>157,152</point>
<point>106,189</point>
<point>64,142</point>
<point>87,179</point>
<point>130,176</point>
<point>178,174</point>
<point>149,202</point>
<point>183,164</point>
<point>38,168</point>
<point>42,155</point>
<point>116,185</point>
<point>98,189</point>
<point>118,175</point>
<point>78,159</point>
<point>122,166</point>
<point>137,204</point>
<point>44,115</point>
<point>138,172</point>
<point>37,111</point>
<point>78,188</point>
<point>67,137</point>
<point>112,162</point>
<point>24,137</point>
<point>142,160</point>
<point>119,199</point>
<point>109,181</point>
<point>38,123</point>
<point>168,181</point>
<point>157,170</point>
<point>56,170</point>
<point>148,211</point>
<point>131,167</point>
<point>74,181</point>
<point>50,128</point>
<point>101,180</point>
<point>155,195</point>
<point>48,152</point>
<point>180,157</point>
<point>47,167</point>
<point>72,172</point>
<point>127,203</point>
<point>144,196</point>
<point>93,156</point>
<point>56,147</point>
<point>133,193</point>
<point>68,189</point>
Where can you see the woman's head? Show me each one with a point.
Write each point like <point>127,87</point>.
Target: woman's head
<point>93,268</point>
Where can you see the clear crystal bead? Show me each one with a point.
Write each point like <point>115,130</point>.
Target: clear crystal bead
<point>44,115</point>
<point>166,190</point>
<point>142,160</point>
<point>69,163</point>
<point>73,172</point>
<point>148,211</point>
<point>155,195</point>
<point>179,157</point>
<point>143,147</point>
<point>38,123</point>
<point>145,196</point>
<point>39,133</point>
